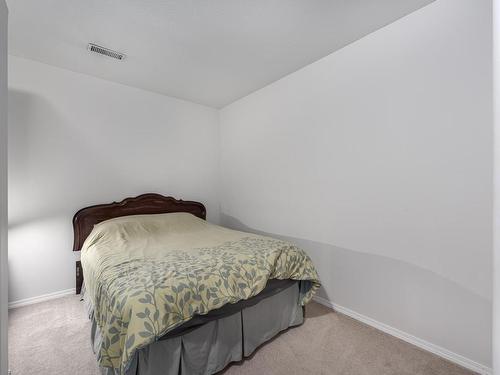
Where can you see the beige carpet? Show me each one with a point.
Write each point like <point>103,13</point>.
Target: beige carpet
<point>53,338</point>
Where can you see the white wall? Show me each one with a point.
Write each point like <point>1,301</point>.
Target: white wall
<point>496,206</point>
<point>3,188</point>
<point>378,160</point>
<point>74,141</point>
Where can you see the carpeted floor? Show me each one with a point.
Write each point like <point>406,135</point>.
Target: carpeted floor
<point>53,338</point>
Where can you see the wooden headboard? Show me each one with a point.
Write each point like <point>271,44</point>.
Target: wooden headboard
<point>145,204</point>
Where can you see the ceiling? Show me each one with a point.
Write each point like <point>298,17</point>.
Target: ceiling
<point>211,52</point>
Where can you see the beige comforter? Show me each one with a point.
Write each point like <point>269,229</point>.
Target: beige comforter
<point>147,274</point>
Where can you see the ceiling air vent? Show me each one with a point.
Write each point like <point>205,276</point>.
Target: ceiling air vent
<point>105,51</point>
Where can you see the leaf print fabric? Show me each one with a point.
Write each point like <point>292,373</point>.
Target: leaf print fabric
<point>148,274</point>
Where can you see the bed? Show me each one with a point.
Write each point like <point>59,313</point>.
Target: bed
<point>169,293</point>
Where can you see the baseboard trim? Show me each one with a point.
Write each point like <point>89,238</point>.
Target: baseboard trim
<point>42,298</point>
<point>422,344</point>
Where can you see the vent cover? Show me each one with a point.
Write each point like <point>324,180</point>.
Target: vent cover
<point>105,51</point>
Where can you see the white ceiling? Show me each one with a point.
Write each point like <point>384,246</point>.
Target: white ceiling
<point>206,51</point>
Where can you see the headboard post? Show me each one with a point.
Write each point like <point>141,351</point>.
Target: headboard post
<point>145,204</point>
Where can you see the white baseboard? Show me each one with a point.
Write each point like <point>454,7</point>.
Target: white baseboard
<point>435,349</point>
<point>422,344</point>
<point>42,298</point>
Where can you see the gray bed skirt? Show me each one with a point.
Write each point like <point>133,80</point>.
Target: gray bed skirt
<point>209,348</point>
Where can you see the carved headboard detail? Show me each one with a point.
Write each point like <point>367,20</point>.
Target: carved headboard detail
<point>145,204</point>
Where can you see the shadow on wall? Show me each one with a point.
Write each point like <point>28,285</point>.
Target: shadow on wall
<point>56,166</point>
<point>399,294</point>
<point>51,161</point>
<point>69,149</point>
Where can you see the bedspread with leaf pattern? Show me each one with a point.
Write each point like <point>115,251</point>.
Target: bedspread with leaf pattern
<point>148,274</point>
